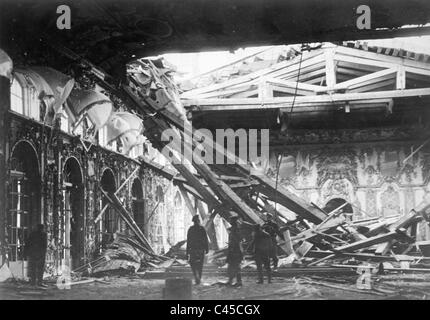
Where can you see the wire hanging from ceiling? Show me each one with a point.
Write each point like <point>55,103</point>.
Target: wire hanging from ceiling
<point>279,159</point>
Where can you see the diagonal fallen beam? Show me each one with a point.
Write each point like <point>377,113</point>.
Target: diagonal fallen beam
<point>97,219</point>
<point>126,216</point>
<point>288,200</point>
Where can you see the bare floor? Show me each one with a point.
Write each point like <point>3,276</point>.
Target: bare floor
<point>412,286</point>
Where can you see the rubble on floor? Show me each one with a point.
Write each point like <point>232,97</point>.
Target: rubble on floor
<point>382,244</point>
<point>334,254</point>
<point>379,244</point>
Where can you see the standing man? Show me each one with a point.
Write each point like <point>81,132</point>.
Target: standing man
<point>273,230</point>
<point>35,248</point>
<point>234,253</point>
<point>197,247</point>
<point>262,244</point>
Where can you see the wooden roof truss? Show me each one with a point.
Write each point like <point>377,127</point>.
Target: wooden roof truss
<point>317,80</point>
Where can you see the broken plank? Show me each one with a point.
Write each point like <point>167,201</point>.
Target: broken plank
<point>367,242</point>
<point>126,216</point>
<point>407,220</point>
<point>303,249</point>
<point>287,246</point>
<point>357,256</point>
<point>383,248</point>
<point>412,270</point>
<point>322,260</point>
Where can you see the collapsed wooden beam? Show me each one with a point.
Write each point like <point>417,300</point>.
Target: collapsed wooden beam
<point>127,217</point>
<point>288,200</point>
<point>154,128</point>
<point>370,241</point>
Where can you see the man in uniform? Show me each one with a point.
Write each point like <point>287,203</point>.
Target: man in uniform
<point>273,230</point>
<point>262,244</point>
<point>234,253</point>
<point>35,248</point>
<point>197,247</point>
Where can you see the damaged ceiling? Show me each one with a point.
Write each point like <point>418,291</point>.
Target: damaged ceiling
<point>109,33</point>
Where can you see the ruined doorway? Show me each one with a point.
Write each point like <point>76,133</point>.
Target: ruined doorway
<point>110,219</point>
<point>336,203</point>
<point>73,214</point>
<point>24,204</point>
<point>138,204</point>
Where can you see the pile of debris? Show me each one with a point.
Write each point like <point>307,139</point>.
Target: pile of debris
<point>125,255</point>
<point>387,243</point>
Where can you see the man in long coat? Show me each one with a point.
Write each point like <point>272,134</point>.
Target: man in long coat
<point>35,249</point>
<point>197,247</point>
<point>262,247</point>
<point>234,253</point>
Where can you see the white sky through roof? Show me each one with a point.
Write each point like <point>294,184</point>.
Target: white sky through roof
<point>192,64</point>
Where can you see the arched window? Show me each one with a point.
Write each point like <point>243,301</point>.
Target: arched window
<point>32,103</point>
<point>16,97</point>
<point>24,97</point>
<point>23,201</point>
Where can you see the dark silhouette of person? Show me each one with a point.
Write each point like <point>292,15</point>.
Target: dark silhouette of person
<point>262,245</point>
<point>35,248</point>
<point>197,247</point>
<point>273,230</point>
<point>234,253</point>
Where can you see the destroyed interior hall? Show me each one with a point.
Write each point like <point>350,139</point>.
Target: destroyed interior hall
<point>84,111</point>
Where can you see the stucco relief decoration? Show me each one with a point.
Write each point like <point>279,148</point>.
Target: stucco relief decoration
<point>287,168</point>
<point>371,204</point>
<point>304,164</point>
<point>368,160</point>
<point>286,164</point>
<point>347,136</point>
<point>409,199</point>
<point>410,166</point>
<point>390,201</point>
<point>337,188</point>
<point>336,165</point>
<point>389,164</point>
<point>306,196</point>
